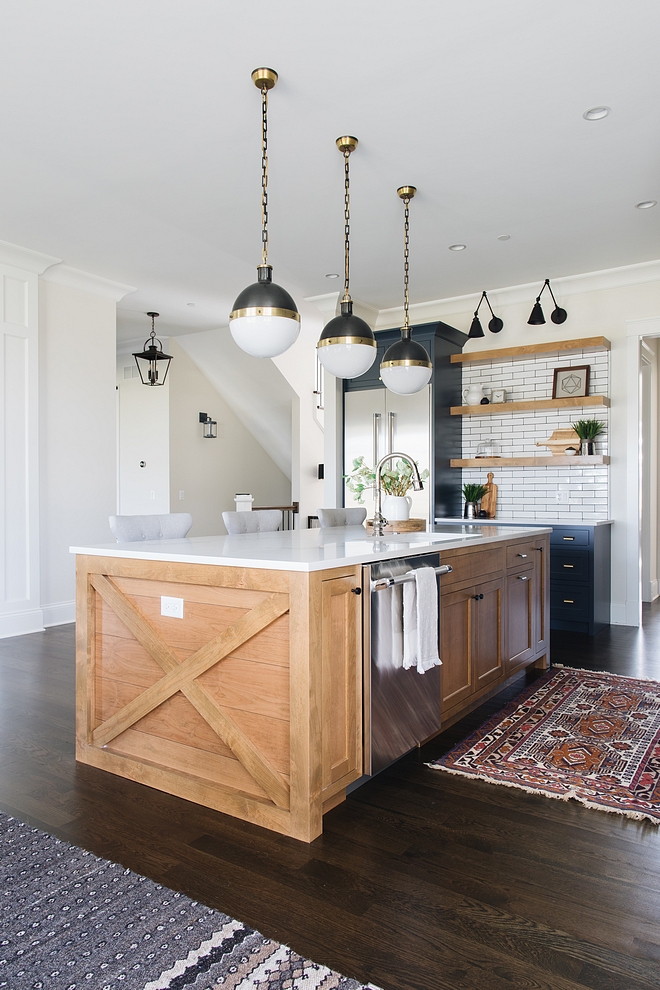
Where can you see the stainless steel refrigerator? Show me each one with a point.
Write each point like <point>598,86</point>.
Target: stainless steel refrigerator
<point>376,422</point>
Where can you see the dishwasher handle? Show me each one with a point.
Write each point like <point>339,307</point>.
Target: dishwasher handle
<point>380,584</point>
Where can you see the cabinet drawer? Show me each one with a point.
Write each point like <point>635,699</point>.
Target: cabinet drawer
<point>569,537</point>
<point>472,566</point>
<point>521,554</point>
<point>569,565</point>
<point>570,602</point>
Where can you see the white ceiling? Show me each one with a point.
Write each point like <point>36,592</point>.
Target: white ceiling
<point>130,143</point>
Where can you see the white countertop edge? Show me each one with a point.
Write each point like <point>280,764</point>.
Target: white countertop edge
<point>454,520</point>
<point>398,549</point>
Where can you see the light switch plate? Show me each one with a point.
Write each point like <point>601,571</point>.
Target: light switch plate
<point>172,607</point>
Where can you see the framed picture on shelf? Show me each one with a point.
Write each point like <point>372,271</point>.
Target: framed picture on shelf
<point>571,383</point>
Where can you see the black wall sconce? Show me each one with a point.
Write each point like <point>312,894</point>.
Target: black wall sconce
<point>210,426</point>
<point>495,324</point>
<point>536,317</point>
<point>152,363</point>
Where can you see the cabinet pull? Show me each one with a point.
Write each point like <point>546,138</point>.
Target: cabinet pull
<point>569,566</point>
<point>571,538</point>
<point>390,431</point>
<point>477,598</point>
<point>523,577</point>
<point>376,427</point>
<point>522,554</point>
<point>569,601</point>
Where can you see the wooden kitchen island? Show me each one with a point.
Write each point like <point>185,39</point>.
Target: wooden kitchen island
<point>251,702</point>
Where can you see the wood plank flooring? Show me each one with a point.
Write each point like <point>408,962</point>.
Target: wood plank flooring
<point>421,880</point>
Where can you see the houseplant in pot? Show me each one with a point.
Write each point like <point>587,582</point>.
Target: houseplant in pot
<point>472,493</point>
<point>396,481</point>
<point>588,430</point>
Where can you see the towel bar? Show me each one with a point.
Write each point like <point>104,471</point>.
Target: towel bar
<point>388,582</point>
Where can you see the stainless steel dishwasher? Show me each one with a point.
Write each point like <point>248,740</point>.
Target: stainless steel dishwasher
<point>401,707</point>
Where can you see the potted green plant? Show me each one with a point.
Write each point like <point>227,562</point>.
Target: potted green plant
<point>472,493</point>
<point>396,481</point>
<point>588,430</point>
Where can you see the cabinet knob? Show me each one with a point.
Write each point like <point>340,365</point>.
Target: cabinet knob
<point>522,554</point>
<point>523,577</point>
<point>356,591</point>
<point>477,598</point>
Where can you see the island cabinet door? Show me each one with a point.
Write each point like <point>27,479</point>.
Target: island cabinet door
<point>341,681</point>
<point>456,648</point>
<point>542,597</point>
<point>487,636</point>
<point>522,606</point>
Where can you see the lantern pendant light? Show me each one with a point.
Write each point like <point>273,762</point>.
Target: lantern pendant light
<point>347,347</point>
<point>264,321</point>
<point>406,366</point>
<point>147,361</point>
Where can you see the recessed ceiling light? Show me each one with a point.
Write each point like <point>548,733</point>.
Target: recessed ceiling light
<point>190,304</point>
<point>504,237</point>
<point>457,247</point>
<point>332,275</point>
<point>646,204</point>
<point>597,113</point>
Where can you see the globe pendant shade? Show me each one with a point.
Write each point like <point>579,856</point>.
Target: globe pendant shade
<point>476,329</point>
<point>347,346</point>
<point>536,317</point>
<point>264,321</point>
<point>406,367</point>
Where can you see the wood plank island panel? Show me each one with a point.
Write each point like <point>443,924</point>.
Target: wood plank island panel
<point>204,706</point>
<point>525,350</point>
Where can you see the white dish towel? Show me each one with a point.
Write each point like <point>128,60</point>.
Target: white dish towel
<point>420,620</point>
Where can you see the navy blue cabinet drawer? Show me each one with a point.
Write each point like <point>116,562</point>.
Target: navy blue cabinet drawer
<point>569,537</point>
<point>569,601</point>
<point>569,565</point>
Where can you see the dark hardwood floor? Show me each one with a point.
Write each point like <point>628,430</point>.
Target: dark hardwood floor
<point>421,880</point>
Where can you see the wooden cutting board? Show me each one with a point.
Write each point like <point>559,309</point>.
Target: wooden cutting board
<point>402,526</point>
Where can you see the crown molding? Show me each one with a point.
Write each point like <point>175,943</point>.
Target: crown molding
<point>566,285</point>
<point>73,278</point>
<point>25,259</point>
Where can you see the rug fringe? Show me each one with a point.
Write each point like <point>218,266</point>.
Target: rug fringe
<point>567,796</point>
<point>583,670</point>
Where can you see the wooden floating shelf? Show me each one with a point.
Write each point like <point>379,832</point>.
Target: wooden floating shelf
<point>557,347</point>
<point>561,460</point>
<point>530,405</point>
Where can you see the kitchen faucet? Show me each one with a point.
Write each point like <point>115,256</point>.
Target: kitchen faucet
<point>379,519</point>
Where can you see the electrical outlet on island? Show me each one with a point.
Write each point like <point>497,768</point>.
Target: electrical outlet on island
<point>172,607</point>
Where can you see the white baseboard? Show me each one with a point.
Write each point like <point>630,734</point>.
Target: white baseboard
<point>21,623</point>
<point>624,613</point>
<point>59,613</point>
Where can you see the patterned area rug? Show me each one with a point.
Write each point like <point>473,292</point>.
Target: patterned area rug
<point>70,920</point>
<point>593,737</point>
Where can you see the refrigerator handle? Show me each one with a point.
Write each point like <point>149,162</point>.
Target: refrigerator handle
<point>376,427</point>
<point>390,431</point>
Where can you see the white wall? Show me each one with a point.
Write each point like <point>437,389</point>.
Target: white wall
<point>78,433</point>
<point>211,472</point>
<point>144,438</point>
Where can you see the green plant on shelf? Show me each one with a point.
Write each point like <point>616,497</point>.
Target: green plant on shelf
<point>472,493</point>
<point>588,429</point>
<point>396,480</point>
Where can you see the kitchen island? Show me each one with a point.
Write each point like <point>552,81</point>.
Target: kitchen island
<point>228,670</point>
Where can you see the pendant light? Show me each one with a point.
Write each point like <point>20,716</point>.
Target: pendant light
<point>147,361</point>
<point>495,324</point>
<point>347,347</point>
<point>536,317</point>
<point>264,321</point>
<point>406,366</point>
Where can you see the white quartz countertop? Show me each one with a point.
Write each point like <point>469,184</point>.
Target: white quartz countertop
<point>523,521</point>
<point>308,549</point>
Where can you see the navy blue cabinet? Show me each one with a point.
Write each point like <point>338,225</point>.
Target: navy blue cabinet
<point>580,578</point>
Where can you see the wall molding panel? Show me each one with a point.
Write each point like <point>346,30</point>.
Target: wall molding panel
<point>20,610</point>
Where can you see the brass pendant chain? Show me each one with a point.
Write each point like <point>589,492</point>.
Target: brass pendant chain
<point>264,175</point>
<point>347,224</point>
<point>406,267</point>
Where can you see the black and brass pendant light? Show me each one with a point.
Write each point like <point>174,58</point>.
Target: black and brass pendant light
<point>152,363</point>
<point>536,317</point>
<point>264,321</point>
<point>347,346</point>
<point>495,324</point>
<point>406,366</point>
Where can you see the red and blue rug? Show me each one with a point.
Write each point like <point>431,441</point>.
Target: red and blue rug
<point>573,734</point>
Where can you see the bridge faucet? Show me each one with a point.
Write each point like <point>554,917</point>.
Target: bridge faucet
<point>379,519</point>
